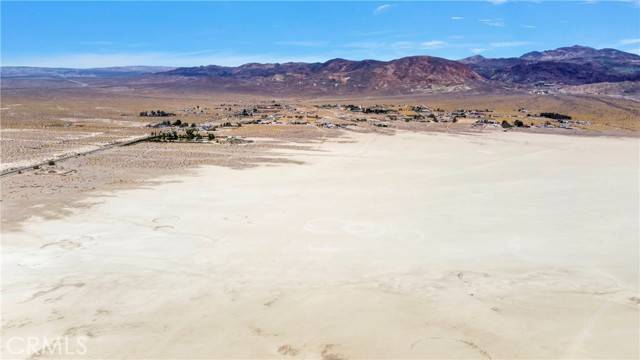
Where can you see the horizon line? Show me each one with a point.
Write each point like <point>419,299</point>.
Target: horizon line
<point>278,62</point>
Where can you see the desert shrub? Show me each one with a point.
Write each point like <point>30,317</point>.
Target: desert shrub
<point>505,124</point>
<point>518,123</point>
<point>178,122</point>
<point>51,163</point>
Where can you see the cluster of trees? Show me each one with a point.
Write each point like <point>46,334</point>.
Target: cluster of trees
<point>331,106</point>
<point>189,135</point>
<point>367,110</point>
<point>555,116</point>
<point>156,113</point>
<point>248,112</point>
<point>375,110</point>
<point>177,123</point>
<point>229,124</point>
<point>517,123</point>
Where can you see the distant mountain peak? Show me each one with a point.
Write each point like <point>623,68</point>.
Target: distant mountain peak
<point>473,59</point>
<point>576,47</point>
<point>575,64</point>
<point>575,52</point>
<point>336,60</point>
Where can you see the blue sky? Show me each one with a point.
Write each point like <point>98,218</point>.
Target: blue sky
<point>96,34</point>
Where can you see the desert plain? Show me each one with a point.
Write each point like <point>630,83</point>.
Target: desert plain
<point>408,240</point>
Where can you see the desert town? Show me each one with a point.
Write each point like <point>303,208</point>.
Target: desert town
<point>382,116</point>
<point>236,123</point>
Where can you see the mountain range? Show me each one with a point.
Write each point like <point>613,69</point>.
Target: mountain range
<point>575,65</point>
<point>405,75</point>
<point>107,72</point>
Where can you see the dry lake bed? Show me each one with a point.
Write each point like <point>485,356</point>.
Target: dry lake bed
<point>416,245</point>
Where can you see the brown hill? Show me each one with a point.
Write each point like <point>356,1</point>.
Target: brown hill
<point>413,74</point>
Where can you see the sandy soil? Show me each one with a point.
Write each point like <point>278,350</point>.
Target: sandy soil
<point>51,191</point>
<point>418,245</point>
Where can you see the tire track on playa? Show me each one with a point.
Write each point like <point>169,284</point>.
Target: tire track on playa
<point>61,284</point>
<point>581,338</point>
<point>158,231</point>
<point>468,343</point>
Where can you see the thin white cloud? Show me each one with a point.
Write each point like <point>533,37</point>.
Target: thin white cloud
<point>396,46</point>
<point>364,45</point>
<point>497,2</point>
<point>629,41</point>
<point>504,44</point>
<point>634,51</point>
<point>302,43</point>
<point>402,45</point>
<point>457,18</point>
<point>382,9</point>
<point>492,22</point>
<point>634,3</point>
<point>529,26</point>
<point>432,44</point>
<point>498,45</point>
